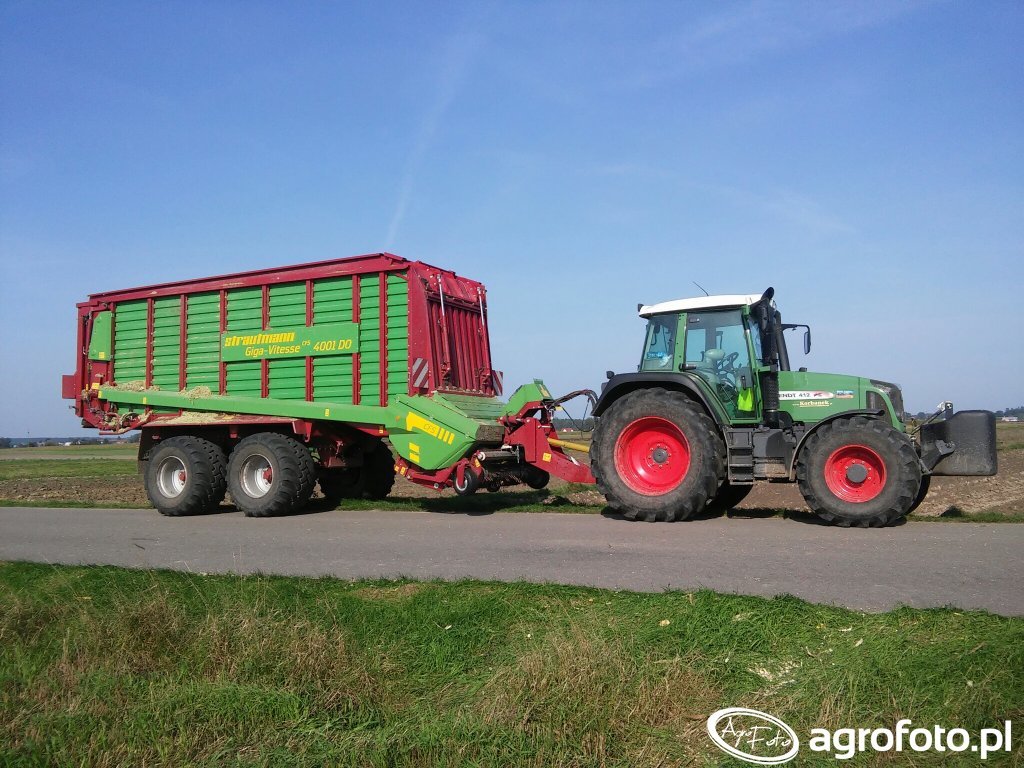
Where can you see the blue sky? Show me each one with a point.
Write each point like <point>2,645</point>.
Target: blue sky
<point>863,158</point>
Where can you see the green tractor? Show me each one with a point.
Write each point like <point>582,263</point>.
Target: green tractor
<point>715,407</point>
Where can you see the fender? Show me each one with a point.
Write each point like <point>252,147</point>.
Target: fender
<point>624,383</point>
<point>871,413</point>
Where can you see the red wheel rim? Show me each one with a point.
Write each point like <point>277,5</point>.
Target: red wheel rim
<point>652,456</point>
<point>855,473</point>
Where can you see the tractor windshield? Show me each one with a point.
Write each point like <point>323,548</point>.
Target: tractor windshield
<point>660,347</point>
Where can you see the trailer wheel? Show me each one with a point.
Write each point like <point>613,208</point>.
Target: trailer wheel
<point>185,476</point>
<point>270,474</point>
<point>378,472</point>
<point>470,482</point>
<point>342,483</point>
<point>656,456</point>
<point>859,472</point>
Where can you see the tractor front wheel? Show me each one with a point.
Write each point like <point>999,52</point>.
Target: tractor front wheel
<point>859,472</point>
<point>656,456</point>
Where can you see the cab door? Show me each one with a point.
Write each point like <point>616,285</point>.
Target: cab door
<point>717,349</point>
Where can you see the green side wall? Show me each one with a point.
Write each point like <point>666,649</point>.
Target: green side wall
<point>332,375</point>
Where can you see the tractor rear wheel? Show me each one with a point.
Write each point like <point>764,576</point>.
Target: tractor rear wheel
<point>270,474</point>
<point>656,456</point>
<point>859,472</point>
<point>185,476</point>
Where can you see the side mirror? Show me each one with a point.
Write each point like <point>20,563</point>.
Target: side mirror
<point>807,341</point>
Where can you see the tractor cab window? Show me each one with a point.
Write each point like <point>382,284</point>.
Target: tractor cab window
<point>716,348</point>
<point>660,347</point>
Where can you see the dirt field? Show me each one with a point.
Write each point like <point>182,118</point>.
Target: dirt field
<point>119,485</point>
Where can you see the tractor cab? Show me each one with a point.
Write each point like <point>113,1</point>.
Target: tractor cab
<point>722,341</point>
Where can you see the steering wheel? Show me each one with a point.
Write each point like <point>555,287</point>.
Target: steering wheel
<point>728,364</point>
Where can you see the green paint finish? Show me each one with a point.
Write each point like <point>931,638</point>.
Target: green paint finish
<point>398,336</point>
<point>166,342</point>
<point>369,339</point>
<point>429,431</point>
<point>527,393</point>
<point>101,342</point>
<point>287,310</point>
<point>300,341</point>
<point>202,341</point>
<point>258,406</point>
<point>130,341</point>
<point>810,397</point>
<point>332,376</point>
<point>244,315</point>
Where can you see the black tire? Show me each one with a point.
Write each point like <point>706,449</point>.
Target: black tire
<point>729,496</point>
<point>341,483</point>
<point>536,478</point>
<point>614,465</point>
<point>185,476</point>
<point>270,474</point>
<point>887,479</point>
<point>926,484</point>
<point>378,472</point>
<point>469,485</point>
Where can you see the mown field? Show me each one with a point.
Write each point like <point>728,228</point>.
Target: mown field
<point>106,476</point>
<point>102,666</point>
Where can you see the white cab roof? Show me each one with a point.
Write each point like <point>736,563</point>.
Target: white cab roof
<point>701,302</point>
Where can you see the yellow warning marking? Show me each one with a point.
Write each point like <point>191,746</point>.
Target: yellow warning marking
<point>546,457</point>
<point>99,393</point>
<point>414,447</point>
<point>327,412</point>
<point>145,401</point>
<point>103,355</point>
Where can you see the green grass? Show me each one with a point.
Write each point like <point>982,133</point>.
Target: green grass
<point>37,468</point>
<point>105,666</point>
<point>113,451</point>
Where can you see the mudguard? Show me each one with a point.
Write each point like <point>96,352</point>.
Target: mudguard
<point>624,383</point>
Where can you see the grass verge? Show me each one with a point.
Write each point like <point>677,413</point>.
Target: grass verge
<point>29,469</point>
<point>105,666</point>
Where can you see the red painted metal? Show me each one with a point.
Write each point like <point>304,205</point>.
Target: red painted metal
<point>356,265</point>
<point>858,458</point>
<point>454,337</point>
<point>652,456</point>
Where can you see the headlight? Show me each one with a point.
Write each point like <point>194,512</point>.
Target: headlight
<point>893,392</point>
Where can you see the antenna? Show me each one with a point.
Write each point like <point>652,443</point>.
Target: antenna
<point>701,287</point>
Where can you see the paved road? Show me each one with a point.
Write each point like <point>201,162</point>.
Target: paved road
<point>968,565</point>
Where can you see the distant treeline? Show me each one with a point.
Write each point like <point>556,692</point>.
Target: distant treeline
<point>43,442</point>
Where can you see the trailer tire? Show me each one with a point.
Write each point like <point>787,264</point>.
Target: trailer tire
<point>341,483</point>
<point>378,472</point>
<point>656,456</point>
<point>185,476</point>
<point>270,474</point>
<point>859,472</point>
